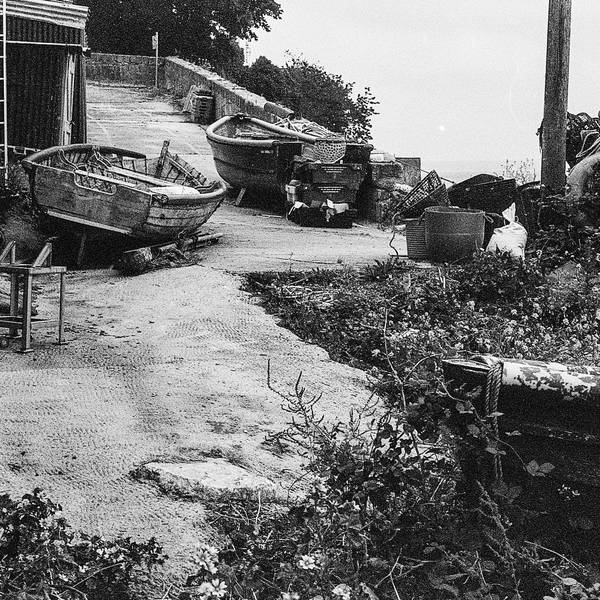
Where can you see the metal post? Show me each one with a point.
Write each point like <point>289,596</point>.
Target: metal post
<point>554,128</point>
<point>155,44</point>
<point>4,94</point>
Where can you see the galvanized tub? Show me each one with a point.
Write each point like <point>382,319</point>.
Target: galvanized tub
<point>452,233</point>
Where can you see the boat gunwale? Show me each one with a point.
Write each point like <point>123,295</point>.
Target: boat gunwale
<point>294,136</point>
<point>205,197</point>
<point>34,160</point>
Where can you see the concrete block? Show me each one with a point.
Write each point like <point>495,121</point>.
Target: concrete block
<point>373,203</point>
<point>384,170</point>
<point>210,480</point>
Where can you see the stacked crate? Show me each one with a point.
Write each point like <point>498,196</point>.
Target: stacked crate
<point>318,185</point>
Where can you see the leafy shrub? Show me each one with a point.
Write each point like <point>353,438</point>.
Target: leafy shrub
<point>313,93</point>
<point>398,323</point>
<point>42,559</point>
<point>384,518</point>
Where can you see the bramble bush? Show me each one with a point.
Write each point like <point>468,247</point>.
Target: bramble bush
<point>42,559</point>
<point>397,323</point>
<point>313,93</point>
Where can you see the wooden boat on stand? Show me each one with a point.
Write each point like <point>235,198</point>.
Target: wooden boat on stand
<point>122,191</point>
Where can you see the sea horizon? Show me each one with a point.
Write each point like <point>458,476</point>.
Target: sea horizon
<point>459,170</point>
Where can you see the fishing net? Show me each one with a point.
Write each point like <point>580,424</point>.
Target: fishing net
<point>330,151</point>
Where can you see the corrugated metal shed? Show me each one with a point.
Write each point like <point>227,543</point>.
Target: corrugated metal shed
<point>29,30</point>
<point>45,73</point>
<point>64,14</point>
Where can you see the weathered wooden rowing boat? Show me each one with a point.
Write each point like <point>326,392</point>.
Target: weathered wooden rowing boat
<point>122,191</point>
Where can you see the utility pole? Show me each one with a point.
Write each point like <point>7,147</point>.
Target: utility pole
<point>554,128</point>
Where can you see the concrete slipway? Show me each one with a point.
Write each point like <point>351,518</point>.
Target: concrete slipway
<point>168,365</point>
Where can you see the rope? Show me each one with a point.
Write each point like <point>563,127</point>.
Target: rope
<point>492,393</point>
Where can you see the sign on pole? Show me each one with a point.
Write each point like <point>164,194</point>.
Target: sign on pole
<point>155,48</point>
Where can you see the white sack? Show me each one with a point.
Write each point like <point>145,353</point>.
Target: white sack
<point>511,238</point>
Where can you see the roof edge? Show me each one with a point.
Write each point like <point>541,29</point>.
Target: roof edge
<point>58,13</point>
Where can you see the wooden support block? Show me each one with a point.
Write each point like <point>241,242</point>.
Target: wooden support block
<point>26,327</point>
<point>240,197</point>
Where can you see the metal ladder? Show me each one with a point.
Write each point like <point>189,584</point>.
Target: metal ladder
<point>3,97</point>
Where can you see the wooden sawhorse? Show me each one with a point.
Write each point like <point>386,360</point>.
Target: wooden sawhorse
<point>22,275</point>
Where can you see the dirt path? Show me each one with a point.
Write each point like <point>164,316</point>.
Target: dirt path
<point>170,364</point>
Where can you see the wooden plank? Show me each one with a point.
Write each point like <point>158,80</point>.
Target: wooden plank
<point>45,256</point>
<point>25,269</point>
<point>161,159</point>
<point>61,215</point>
<point>17,322</point>
<point>138,176</point>
<point>240,197</point>
<point>8,250</point>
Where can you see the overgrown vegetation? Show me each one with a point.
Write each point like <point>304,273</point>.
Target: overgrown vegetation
<point>402,504</point>
<point>522,171</point>
<point>42,559</point>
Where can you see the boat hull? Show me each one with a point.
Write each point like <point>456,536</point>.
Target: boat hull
<point>250,153</point>
<point>251,166</point>
<point>126,194</point>
<point>549,413</point>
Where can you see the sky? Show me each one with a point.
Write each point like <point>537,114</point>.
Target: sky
<point>457,80</point>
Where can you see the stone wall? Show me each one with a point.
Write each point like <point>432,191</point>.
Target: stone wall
<point>230,98</point>
<point>122,68</point>
<point>177,76</point>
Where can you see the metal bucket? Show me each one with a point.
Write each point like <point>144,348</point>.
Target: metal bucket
<point>453,233</point>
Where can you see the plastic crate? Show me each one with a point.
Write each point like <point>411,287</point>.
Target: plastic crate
<point>203,108</point>
<point>416,248</point>
<point>349,175</point>
<point>429,192</point>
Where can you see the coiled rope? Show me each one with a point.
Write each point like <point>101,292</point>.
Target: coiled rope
<point>492,393</point>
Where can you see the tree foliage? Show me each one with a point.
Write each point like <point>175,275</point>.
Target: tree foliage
<point>208,32</point>
<point>194,29</point>
<point>311,92</point>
